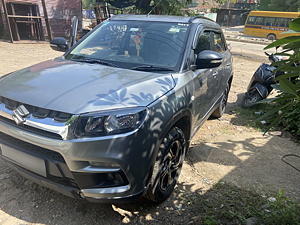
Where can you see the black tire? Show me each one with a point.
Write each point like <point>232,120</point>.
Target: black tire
<point>271,37</point>
<point>167,166</point>
<point>251,98</point>
<point>222,105</point>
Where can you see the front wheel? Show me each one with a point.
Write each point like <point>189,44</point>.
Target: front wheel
<point>167,166</point>
<point>251,98</point>
<point>271,37</point>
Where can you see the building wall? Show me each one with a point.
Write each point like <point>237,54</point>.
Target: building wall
<point>232,17</point>
<point>60,14</point>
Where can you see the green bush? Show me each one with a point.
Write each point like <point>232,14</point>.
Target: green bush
<point>287,103</point>
<point>291,121</point>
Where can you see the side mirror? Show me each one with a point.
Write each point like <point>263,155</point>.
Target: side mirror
<point>59,44</point>
<point>208,59</point>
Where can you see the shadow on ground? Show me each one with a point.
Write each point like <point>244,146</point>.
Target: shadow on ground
<point>247,161</point>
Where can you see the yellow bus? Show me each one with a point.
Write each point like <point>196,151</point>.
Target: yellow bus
<point>269,24</point>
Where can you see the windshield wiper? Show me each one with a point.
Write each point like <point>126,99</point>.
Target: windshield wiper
<point>91,60</point>
<point>151,68</point>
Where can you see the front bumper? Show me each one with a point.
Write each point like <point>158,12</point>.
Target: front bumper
<point>66,189</point>
<point>64,165</point>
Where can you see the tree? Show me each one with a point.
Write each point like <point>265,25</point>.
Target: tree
<point>165,7</point>
<point>172,7</point>
<point>264,5</point>
<point>121,3</point>
<point>279,5</point>
<point>88,4</point>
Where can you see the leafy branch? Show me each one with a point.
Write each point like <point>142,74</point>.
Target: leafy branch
<point>287,103</point>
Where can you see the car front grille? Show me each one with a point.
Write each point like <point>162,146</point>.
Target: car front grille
<point>36,112</point>
<point>30,148</point>
<point>53,160</point>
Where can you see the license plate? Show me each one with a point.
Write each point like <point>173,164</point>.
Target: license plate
<point>27,161</point>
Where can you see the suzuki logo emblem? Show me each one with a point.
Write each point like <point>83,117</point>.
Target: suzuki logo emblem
<point>19,114</point>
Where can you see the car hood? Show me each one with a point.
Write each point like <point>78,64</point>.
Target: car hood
<point>76,87</point>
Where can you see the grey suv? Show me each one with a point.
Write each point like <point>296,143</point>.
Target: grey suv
<point>111,120</point>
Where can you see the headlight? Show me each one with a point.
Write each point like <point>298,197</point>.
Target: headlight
<point>110,122</point>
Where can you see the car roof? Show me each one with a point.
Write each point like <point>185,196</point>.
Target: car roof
<point>164,18</point>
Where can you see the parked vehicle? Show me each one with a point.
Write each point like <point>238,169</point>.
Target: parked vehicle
<point>111,120</point>
<point>261,82</point>
<point>271,25</point>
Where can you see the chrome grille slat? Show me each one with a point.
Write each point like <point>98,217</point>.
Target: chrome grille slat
<point>31,129</point>
<point>41,121</point>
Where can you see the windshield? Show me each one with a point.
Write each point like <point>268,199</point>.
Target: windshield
<point>134,44</point>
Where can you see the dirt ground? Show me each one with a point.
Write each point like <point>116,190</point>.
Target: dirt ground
<point>222,150</point>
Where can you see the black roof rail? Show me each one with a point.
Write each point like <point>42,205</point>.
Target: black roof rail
<point>199,17</point>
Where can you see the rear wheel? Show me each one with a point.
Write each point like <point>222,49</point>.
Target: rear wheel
<point>222,105</point>
<point>251,98</point>
<point>271,37</point>
<point>167,166</point>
